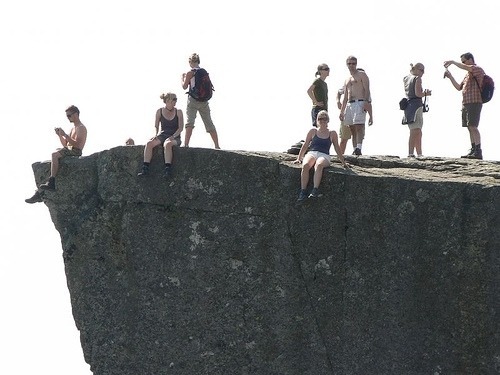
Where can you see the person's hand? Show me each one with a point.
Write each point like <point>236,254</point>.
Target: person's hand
<point>370,121</point>
<point>341,116</point>
<point>448,63</point>
<point>446,74</point>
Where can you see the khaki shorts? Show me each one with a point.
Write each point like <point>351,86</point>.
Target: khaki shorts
<point>345,131</point>
<point>193,107</point>
<point>419,119</point>
<point>73,151</point>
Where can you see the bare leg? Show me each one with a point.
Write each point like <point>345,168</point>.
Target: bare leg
<point>168,151</point>
<point>54,167</point>
<point>475,136</point>
<point>306,167</point>
<point>148,150</point>
<point>343,145</point>
<point>215,138</point>
<point>318,174</point>
<point>187,137</point>
<point>354,135</point>
<point>360,133</point>
<point>418,142</point>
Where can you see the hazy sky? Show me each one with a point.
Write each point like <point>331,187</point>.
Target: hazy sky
<point>113,62</point>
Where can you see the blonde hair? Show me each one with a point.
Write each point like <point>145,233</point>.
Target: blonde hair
<point>323,113</point>
<point>194,58</point>
<point>168,96</point>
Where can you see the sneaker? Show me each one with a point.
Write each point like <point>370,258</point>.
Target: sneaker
<point>144,172</point>
<point>315,193</point>
<point>168,172</point>
<point>302,196</point>
<point>471,152</point>
<point>357,151</point>
<point>411,155</point>
<point>49,185</point>
<point>37,197</point>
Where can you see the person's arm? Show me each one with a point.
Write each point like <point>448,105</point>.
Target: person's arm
<point>186,79</point>
<point>339,95</point>
<point>458,65</point>
<point>335,141</point>
<point>419,91</point>
<point>453,81</point>
<point>344,102</point>
<point>61,134</point>
<point>157,121</point>
<point>310,92</point>
<point>305,146</point>
<point>76,138</point>
<point>365,81</point>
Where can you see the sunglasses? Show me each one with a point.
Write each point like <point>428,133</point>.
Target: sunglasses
<point>327,69</point>
<point>323,119</point>
<point>351,63</point>
<point>174,99</point>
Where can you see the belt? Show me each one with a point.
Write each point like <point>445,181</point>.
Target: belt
<point>356,100</point>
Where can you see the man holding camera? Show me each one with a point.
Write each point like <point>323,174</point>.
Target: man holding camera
<point>72,146</point>
<point>471,102</point>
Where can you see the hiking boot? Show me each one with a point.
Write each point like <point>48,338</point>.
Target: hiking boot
<point>168,172</point>
<point>477,154</point>
<point>302,196</point>
<point>49,185</point>
<point>471,152</point>
<point>315,193</point>
<point>37,197</point>
<point>357,151</point>
<point>144,172</point>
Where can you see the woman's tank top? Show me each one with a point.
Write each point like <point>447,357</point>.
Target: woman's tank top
<point>321,144</point>
<point>169,127</point>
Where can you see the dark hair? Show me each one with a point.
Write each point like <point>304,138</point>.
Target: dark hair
<point>73,109</point>
<point>467,56</point>
<point>352,58</point>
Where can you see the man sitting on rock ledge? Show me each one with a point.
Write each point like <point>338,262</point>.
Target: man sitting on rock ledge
<point>72,146</point>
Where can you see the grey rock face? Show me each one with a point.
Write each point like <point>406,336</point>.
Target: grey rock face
<point>216,270</point>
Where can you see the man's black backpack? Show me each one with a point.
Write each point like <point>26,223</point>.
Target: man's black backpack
<point>203,88</point>
<point>487,88</point>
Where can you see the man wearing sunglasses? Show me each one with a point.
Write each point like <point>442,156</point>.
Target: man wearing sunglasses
<point>72,146</point>
<point>357,101</point>
<point>471,99</point>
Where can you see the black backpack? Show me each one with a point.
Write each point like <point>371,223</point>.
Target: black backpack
<point>487,88</point>
<point>203,88</point>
